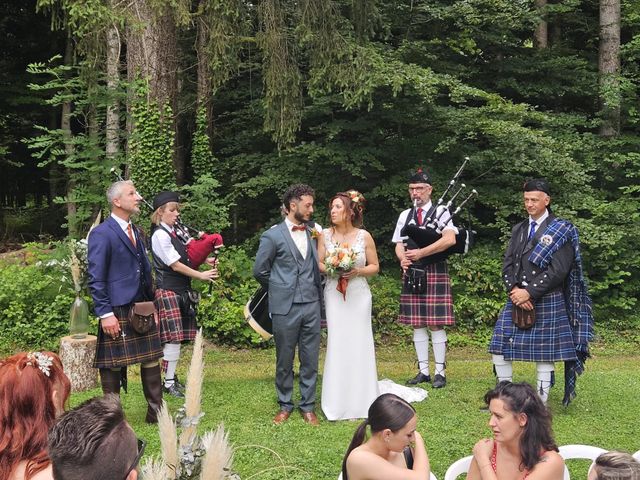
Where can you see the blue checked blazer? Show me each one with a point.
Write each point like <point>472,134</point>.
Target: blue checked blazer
<point>117,270</point>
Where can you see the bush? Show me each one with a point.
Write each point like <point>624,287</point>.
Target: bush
<point>34,310</point>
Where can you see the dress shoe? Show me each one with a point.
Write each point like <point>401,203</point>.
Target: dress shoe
<point>178,384</point>
<point>173,390</point>
<point>310,418</point>
<point>439,381</point>
<point>281,417</point>
<point>419,378</point>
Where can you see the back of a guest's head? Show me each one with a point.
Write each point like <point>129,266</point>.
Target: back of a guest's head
<point>388,411</point>
<point>615,466</point>
<point>33,391</point>
<point>537,435</point>
<point>93,441</point>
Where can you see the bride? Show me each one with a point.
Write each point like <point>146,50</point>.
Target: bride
<point>350,378</point>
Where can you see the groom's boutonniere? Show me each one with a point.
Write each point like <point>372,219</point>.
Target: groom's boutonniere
<point>313,231</point>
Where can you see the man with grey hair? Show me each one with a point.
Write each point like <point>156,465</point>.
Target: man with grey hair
<point>94,441</point>
<point>119,276</point>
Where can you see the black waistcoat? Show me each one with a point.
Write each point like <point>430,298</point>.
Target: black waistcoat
<point>166,278</point>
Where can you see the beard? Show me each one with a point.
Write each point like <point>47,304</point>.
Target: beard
<point>300,217</point>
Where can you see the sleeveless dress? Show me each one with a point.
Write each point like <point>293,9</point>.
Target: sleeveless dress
<point>350,378</point>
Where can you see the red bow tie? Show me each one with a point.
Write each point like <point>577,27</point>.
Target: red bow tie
<point>298,228</point>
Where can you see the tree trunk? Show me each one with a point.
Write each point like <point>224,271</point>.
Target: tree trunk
<point>152,55</point>
<point>113,79</point>
<point>204,71</point>
<point>540,37</point>
<point>65,126</point>
<point>609,67</point>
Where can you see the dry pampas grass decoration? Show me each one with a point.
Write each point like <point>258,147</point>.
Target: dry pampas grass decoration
<point>190,457</point>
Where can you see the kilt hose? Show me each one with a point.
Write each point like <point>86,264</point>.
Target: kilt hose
<point>549,340</point>
<point>127,349</point>
<point>174,326</point>
<point>432,308</point>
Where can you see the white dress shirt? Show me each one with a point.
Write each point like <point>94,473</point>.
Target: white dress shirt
<point>162,246</point>
<point>299,237</point>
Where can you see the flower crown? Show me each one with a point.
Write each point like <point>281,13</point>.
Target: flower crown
<point>356,197</point>
<point>40,360</point>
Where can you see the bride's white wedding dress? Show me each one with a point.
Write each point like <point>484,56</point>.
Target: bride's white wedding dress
<point>350,379</point>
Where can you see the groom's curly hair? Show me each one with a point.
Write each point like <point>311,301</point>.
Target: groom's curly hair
<point>296,192</point>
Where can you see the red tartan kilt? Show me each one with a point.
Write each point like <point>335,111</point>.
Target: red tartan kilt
<point>435,306</point>
<point>174,327</point>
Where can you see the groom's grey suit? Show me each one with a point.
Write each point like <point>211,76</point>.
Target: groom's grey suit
<point>295,296</point>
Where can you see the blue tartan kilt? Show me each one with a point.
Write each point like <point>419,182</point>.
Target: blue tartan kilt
<point>127,349</point>
<point>549,340</point>
<point>174,326</point>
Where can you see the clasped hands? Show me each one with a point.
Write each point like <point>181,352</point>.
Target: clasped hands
<point>521,298</point>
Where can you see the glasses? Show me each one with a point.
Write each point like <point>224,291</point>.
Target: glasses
<point>417,189</point>
<point>141,445</point>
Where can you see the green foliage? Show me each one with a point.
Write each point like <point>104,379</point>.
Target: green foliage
<point>204,208</point>
<point>35,301</point>
<point>477,288</point>
<point>80,155</point>
<point>202,160</point>
<point>221,314</point>
<point>151,146</point>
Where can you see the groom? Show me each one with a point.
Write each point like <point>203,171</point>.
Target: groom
<point>287,265</point>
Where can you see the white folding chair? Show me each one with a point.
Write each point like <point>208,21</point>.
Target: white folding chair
<point>637,455</point>
<point>458,468</point>
<point>586,452</point>
<point>431,476</point>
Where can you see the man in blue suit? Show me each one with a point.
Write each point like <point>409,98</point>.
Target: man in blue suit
<point>287,265</point>
<point>120,275</point>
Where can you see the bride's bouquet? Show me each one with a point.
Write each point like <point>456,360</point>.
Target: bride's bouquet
<point>341,259</point>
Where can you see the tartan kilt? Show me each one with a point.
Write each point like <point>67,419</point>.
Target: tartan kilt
<point>549,340</point>
<point>128,350</point>
<point>432,308</point>
<point>174,327</point>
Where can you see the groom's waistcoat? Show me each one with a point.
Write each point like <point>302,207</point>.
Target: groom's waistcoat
<point>306,289</point>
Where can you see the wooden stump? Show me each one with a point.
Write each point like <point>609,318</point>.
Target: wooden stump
<point>77,360</point>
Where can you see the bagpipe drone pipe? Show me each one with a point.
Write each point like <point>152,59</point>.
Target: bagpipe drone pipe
<point>420,236</point>
<point>199,246</point>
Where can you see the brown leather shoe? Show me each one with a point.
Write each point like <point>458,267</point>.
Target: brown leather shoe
<point>281,417</point>
<point>310,418</point>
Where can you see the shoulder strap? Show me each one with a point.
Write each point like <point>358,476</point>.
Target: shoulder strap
<point>408,457</point>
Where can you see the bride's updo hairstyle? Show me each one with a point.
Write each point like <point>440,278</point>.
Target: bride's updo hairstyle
<point>353,202</point>
<point>27,408</point>
<point>388,411</point>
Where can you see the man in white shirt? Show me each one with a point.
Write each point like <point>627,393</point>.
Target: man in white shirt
<point>429,307</point>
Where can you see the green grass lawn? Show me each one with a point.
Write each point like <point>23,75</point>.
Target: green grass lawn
<point>238,391</point>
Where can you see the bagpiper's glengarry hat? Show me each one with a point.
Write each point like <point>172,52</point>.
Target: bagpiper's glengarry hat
<point>163,198</point>
<point>419,176</point>
<point>537,185</point>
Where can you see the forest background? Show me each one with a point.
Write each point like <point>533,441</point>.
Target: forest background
<point>231,101</point>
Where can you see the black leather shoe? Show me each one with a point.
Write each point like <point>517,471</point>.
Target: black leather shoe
<point>419,378</point>
<point>439,381</point>
<point>173,390</point>
<point>178,384</point>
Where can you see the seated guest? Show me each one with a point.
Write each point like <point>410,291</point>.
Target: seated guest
<point>94,441</point>
<point>33,391</point>
<point>522,445</point>
<point>615,466</point>
<point>387,454</point>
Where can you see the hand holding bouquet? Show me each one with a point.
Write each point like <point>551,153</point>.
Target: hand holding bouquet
<point>341,259</point>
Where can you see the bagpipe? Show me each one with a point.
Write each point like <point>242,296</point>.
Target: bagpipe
<point>199,246</point>
<point>420,236</point>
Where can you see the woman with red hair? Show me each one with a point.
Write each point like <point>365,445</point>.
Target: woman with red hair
<point>33,392</point>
